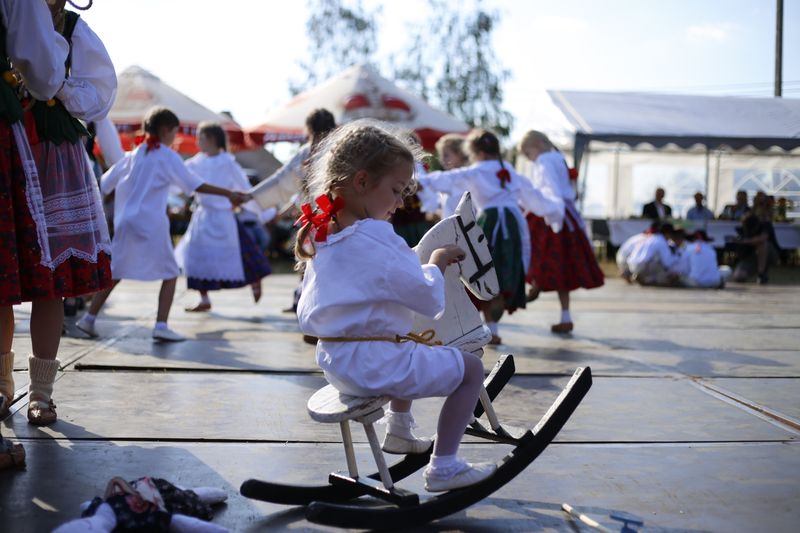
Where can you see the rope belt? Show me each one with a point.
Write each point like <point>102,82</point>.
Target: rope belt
<point>426,338</point>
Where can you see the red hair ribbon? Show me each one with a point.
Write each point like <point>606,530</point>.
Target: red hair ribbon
<point>504,176</point>
<point>321,219</point>
<point>152,143</point>
<point>573,173</point>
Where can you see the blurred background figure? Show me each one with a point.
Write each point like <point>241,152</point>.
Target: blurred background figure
<point>657,209</point>
<point>736,210</point>
<point>699,214</point>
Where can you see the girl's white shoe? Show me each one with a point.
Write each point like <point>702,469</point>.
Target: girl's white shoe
<point>399,445</point>
<point>470,474</point>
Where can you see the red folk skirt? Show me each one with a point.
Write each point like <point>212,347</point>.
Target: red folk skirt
<point>562,261</point>
<point>22,277</point>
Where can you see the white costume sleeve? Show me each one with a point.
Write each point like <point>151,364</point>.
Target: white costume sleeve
<point>180,175</point>
<point>36,49</point>
<point>279,188</point>
<point>108,139</point>
<point>89,92</point>
<point>112,176</point>
<point>418,287</point>
<point>542,202</point>
<point>447,180</point>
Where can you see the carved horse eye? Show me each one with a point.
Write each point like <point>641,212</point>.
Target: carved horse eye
<point>481,237</point>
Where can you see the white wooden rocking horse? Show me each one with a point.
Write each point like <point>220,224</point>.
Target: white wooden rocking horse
<point>460,326</point>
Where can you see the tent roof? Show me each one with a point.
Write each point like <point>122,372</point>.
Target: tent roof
<point>684,120</point>
<point>139,90</point>
<point>356,92</point>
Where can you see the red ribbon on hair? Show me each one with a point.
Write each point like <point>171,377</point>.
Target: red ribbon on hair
<point>504,176</point>
<point>573,173</point>
<point>320,220</point>
<point>152,143</point>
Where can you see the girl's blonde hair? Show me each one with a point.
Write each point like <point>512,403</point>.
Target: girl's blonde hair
<point>453,142</point>
<point>532,136</point>
<point>364,144</point>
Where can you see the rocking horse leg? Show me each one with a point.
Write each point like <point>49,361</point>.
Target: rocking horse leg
<point>347,440</point>
<point>377,453</point>
<point>489,409</point>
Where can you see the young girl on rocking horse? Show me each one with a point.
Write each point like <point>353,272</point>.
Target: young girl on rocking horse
<point>362,287</point>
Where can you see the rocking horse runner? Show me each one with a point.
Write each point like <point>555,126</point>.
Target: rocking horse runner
<point>360,293</point>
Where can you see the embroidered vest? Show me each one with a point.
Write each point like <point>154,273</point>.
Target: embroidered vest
<point>53,121</point>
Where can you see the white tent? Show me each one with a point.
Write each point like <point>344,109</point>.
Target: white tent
<point>139,90</point>
<point>357,92</point>
<point>722,143</point>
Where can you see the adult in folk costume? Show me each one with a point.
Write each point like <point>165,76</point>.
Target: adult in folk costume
<point>55,239</point>
<point>562,258</point>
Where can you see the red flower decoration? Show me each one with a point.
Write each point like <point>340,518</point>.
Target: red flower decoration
<point>504,176</point>
<point>320,219</point>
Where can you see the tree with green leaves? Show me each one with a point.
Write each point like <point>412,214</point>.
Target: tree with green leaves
<point>451,63</point>
<point>340,34</point>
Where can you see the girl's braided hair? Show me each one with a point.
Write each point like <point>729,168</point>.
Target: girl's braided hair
<point>364,144</point>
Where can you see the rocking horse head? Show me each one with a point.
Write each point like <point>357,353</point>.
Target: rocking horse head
<point>461,321</point>
<point>476,269</point>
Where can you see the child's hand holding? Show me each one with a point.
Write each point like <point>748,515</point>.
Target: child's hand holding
<point>446,255</point>
<point>238,198</point>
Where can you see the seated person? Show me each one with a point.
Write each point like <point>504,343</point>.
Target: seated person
<point>738,210</point>
<point>651,261</point>
<point>756,249</point>
<point>627,249</point>
<point>657,209</point>
<point>699,264</point>
<point>699,214</point>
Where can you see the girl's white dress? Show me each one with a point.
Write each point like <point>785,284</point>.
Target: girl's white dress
<point>142,245</point>
<point>365,281</point>
<point>210,249</point>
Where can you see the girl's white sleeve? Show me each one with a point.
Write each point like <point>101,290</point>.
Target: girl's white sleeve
<point>112,176</point>
<point>37,50</point>
<point>447,180</point>
<point>180,175</point>
<point>108,139</point>
<point>279,188</point>
<point>543,201</point>
<point>89,92</point>
<point>418,287</point>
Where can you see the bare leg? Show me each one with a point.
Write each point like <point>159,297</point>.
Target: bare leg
<point>563,298</point>
<point>47,317</point>
<point>100,298</point>
<point>6,328</point>
<point>457,409</point>
<point>165,296</point>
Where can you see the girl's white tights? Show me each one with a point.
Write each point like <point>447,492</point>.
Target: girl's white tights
<point>458,408</point>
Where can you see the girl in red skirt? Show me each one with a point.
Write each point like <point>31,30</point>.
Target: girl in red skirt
<point>562,259</point>
<point>54,237</point>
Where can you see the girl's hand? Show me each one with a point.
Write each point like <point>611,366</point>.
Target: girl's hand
<point>446,255</point>
<point>238,198</point>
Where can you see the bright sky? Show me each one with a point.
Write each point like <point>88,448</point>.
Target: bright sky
<point>239,54</point>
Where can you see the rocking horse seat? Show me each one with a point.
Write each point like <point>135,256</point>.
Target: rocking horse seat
<point>329,406</point>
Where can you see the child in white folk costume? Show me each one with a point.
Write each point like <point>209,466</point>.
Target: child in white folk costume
<point>562,259</point>
<point>216,252</point>
<point>498,192</point>
<point>362,287</point>
<point>142,245</point>
<point>451,154</point>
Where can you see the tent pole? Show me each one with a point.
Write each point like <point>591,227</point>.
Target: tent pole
<point>583,176</point>
<point>716,181</point>
<point>616,182</point>
<point>708,172</point>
